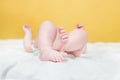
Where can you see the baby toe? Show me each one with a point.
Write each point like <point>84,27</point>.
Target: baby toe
<point>57,58</point>
<point>65,54</point>
<point>64,37</point>
<point>61,58</point>
<point>64,34</point>
<point>62,31</point>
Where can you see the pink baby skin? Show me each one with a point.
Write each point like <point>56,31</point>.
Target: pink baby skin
<point>55,43</point>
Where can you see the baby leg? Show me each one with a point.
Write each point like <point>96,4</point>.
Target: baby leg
<point>27,42</point>
<point>77,41</point>
<point>46,37</point>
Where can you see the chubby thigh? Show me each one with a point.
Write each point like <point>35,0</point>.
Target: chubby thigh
<point>46,34</point>
<point>77,39</point>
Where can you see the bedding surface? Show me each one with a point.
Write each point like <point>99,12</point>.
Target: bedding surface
<point>101,62</point>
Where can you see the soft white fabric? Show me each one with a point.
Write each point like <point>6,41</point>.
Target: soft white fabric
<point>101,62</point>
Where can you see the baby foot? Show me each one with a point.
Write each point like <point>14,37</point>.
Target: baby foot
<point>61,39</point>
<point>52,55</point>
<point>26,28</point>
<point>79,26</point>
<point>27,42</point>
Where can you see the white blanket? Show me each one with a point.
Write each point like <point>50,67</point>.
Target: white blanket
<point>101,62</point>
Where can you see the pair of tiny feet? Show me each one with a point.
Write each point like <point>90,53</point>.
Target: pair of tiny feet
<point>56,53</point>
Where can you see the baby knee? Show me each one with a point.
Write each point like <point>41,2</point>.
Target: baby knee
<point>47,22</point>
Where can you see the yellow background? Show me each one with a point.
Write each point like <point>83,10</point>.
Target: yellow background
<point>100,17</point>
